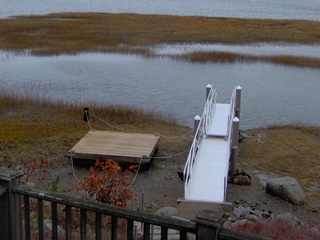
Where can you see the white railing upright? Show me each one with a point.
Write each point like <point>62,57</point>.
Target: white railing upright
<point>207,114</point>
<point>232,117</point>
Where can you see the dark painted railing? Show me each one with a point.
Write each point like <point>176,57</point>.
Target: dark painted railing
<point>206,226</point>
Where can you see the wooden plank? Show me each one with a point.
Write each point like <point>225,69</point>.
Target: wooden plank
<point>118,146</point>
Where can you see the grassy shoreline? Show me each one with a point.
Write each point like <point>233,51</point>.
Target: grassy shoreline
<point>43,129</point>
<point>285,151</point>
<point>72,33</point>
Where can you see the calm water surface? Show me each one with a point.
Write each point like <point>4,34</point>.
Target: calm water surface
<point>271,94</point>
<point>276,9</point>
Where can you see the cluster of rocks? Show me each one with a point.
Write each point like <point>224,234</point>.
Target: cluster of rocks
<point>244,215</point>
<point>240,178</point>
<point>286,188</point>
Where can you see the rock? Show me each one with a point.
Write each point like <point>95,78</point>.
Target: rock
<point>289,218</point>
<point>256,212</point>
<point>264,178</point>
<point>252,218</point>
<point>180,175</point>
<point>241,222</point>
<point>242,135</point>
<point>241,211</point>
<point>288,189</point>
<point>266,214</point>
<point>242,180</point>
<point>167,211</point>
<point>232,219</point>
<point>240,171</point>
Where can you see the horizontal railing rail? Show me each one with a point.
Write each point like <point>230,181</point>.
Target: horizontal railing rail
<point>148,219</point>
<point>16,224</point>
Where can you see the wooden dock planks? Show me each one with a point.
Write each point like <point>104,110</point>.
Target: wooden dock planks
<point>119,146</point>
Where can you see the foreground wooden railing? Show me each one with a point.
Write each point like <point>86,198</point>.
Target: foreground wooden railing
<point>206,226</point>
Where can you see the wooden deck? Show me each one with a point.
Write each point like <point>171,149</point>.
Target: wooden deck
<point>118,146</point>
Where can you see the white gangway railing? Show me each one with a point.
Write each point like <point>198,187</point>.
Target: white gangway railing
<point>229,136</point>
<point>207,114</point>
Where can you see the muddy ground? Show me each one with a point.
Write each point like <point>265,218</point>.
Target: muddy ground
<point>163,187</point>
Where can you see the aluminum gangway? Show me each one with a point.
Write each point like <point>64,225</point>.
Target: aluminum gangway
<point>214,147</point>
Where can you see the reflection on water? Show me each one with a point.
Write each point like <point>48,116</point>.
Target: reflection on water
<point>276,9</point>
<point>271,94</point>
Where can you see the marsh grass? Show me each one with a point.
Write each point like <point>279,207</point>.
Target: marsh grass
<point>286,151</point>
<point>71,33</point>
<point>227,57</point>
<point>38,128</point>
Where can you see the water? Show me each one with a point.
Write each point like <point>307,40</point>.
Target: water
<point>275,9</point>
<point>272,94</point>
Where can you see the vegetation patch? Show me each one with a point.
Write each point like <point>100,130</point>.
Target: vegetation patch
<point>43,129</point>
<point>286,151</point>
<point>227,57</point>
<point>72,33</point>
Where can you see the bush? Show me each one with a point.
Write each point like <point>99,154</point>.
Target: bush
<point>279,229</point>
<point>111,187</point>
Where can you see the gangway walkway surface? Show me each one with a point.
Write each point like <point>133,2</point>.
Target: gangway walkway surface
<point>218,126</point>
<point>207,167</point>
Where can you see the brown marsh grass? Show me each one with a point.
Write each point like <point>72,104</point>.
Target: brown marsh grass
<point>36,128</point>
<point>286,151</point>
<point>227,57</point>
<point>72,33</point>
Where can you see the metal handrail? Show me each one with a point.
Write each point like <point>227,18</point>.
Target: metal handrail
<point>206,117</point>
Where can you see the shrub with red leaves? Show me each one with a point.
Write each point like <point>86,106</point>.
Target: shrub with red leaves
<point>279,229</point>
<point>107,184</point>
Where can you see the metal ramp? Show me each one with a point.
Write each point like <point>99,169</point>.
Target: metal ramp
<point>207,166</point>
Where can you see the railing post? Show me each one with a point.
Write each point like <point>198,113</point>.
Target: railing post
<point>10,205</point>
<point>209,224</point>
<point>208,89</point>
<point>86,114</point>
<point>197,119</point>
<point>238,101</point>
<point>234,147</point>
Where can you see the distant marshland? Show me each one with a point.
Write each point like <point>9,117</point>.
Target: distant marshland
<point>72,33</point>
